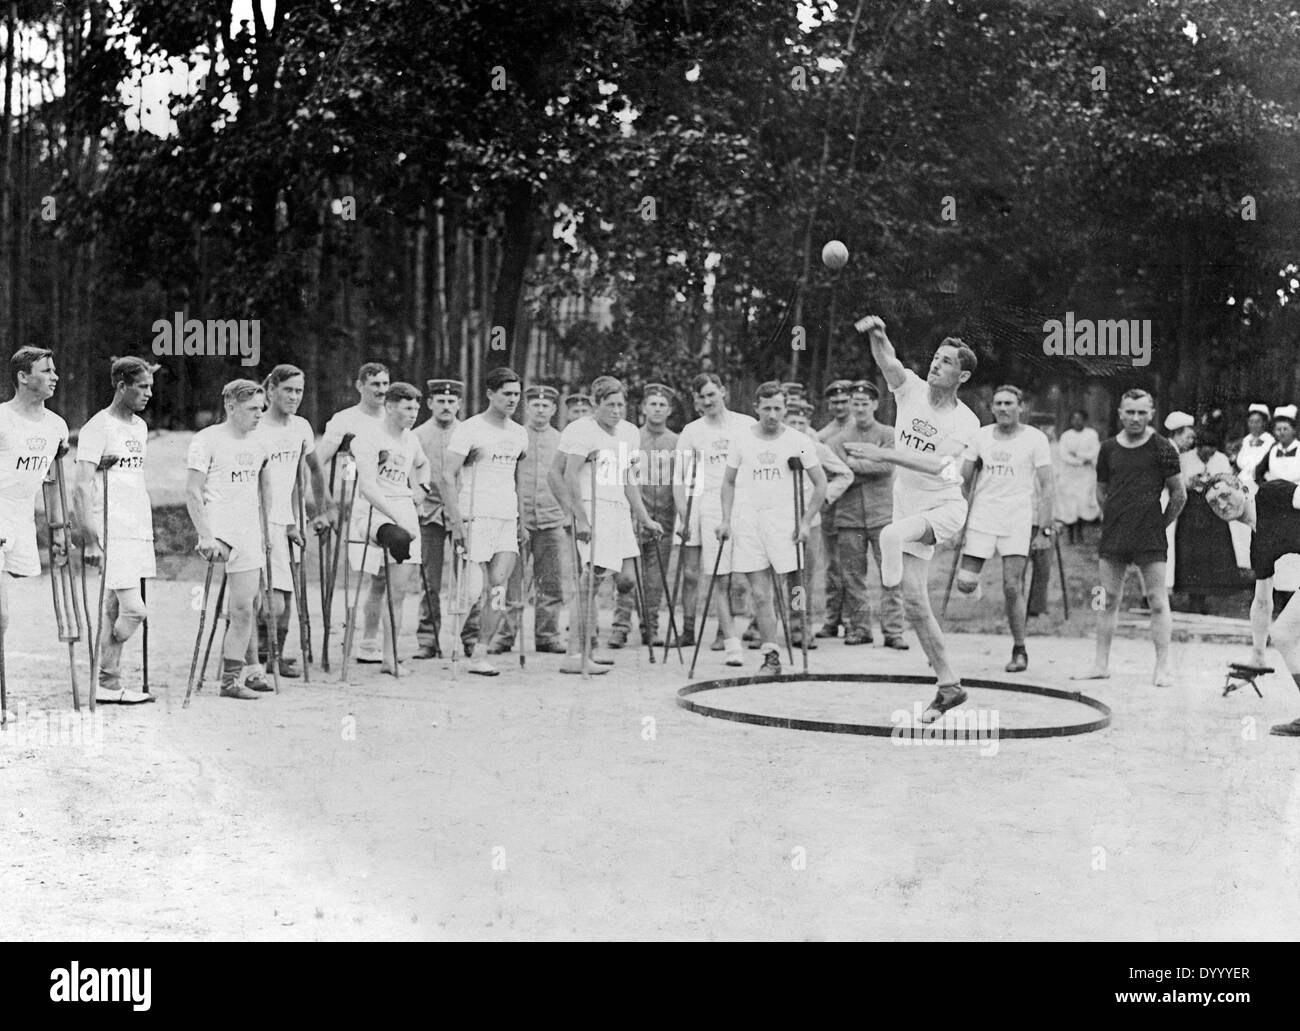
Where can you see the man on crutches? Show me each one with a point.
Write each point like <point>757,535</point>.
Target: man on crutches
<point>126,555</point>
<point>603,501</point>
<point>767,516</point>
<point>390,464</point>
<point>227,488</point>
<point>30,439</point>
<point>289,440</point>
<point>343,428</point>
<point>484,510</point>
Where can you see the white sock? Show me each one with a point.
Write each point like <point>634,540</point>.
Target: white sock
<point>732,644</point>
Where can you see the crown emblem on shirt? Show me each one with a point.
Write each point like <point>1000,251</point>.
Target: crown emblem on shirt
<point>35,442</point>
<point>245,458</point>
<point>767,457</point>
<point>133,446</point>
<point>1001,456</point>
<point>921,426</point>
<point>721,444</point>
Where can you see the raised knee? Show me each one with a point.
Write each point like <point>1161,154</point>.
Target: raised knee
<point>967,581</point>
<point>133,611</point>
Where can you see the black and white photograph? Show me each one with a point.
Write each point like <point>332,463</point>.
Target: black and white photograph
<point>651,470</point>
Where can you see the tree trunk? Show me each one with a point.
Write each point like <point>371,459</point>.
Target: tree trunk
<point>519,240</point>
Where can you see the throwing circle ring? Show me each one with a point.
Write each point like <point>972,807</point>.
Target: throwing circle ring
<point>880,729</point>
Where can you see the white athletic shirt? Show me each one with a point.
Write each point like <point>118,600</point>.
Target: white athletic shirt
<point>230,491</point>
<point>401,463</point>
<point>497,450</point>
<point>352,420</point>
<point>924,429</point>
<point>712,442</point>
<point>1004,494</point>
<point>764,479</point>
<point>27,450</point>
<point>284,444</point>
<point>619,452</point>
<point>130,517</point>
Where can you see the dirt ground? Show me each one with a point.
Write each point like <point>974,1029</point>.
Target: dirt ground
<point>540,806</point>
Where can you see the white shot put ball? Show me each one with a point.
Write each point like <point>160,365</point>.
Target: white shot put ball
<point>835,255</point>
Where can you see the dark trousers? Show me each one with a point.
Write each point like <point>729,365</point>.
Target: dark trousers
<point>834,576</point>
<point>434,538</point>
<point>548,550</point>
<point>654,589</point>
<point>856,547</point>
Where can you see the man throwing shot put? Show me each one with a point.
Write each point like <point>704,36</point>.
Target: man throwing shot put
<point>933,431</point>
<point>1002,516</point>
<point>757,498</point>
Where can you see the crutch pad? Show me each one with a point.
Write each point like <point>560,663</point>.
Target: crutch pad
<point>394,540</point>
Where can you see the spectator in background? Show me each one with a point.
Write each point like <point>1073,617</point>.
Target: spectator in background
<point>1254,445</point>
<point>1205,562</point>
<point>1076,476</point>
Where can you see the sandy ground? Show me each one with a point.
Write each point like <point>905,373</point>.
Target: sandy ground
<point>541,806</point>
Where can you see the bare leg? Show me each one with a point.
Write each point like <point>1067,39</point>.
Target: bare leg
<point>1112,580</point>
<point>760,591</point>
<point>1013,573</point>
<point>1162,621</point>
<point>1261,615</point>
<point>916,603</point>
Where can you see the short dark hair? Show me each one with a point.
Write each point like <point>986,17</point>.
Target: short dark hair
<point>125,370</point>
<point>279,374</point>
<point>498,378</point>
<point>371,369</point>
<point>965,356</point>
<point>1011,388</point>
<point>1231,479</point>
<point>1135,393</point>
<point>240,390</point>
<point>398,392</point>
<point>704,379</point>
<point>769,389</point>
<point>603,386</point>
<point>1080,413</point>
<point>24,358</point>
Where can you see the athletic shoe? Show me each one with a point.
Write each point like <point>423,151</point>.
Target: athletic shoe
<point>796,641</point>
<point>428,651</point>
<point>771,664</point>
<point>948,697</point>
<point>718,645</point>
<point>600,660</point>
<point>687,639</point>
<point>371,654</point>
<point>828,630</point>
<point>289,668</point>
<point>735,657</point>
<point>618,639</point>
<point>257,682</point>
<point>573,664</point>
<point>550,648</point>
<point>238,691</point>
<point>858,637</point>
<point>752,643</point>
<point>897,643</point>
<point>1019,661</point>
<point>500,647</point>
<point>750,634</point>
<point>120,696</point>
<point>1291,729</point>
<point>483,668</point>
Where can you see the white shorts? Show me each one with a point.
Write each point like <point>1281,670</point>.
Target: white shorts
<point>704,521</point>
<point>980,544</point>
<point>490,536</point>
<point>763,539</point>
<point>359,546</point>
<point>281,570</point>
<point>946,520</point>
<point>129,562</point>
<point>19,555</point>
<point>615,538</point>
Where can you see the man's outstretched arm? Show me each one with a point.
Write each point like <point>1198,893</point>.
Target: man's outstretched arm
<point>882,350</point>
